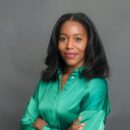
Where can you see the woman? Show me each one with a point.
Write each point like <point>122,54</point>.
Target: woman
<point>72,93</point>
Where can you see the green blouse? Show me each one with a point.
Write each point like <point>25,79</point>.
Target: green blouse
<point>60,107</point>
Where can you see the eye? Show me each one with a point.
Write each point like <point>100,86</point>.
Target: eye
<point>78,39</point>
<point>62,39</point>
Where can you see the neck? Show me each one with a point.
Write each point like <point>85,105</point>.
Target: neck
<point>68,69</point>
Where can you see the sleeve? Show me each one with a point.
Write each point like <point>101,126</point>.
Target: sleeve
<point>95,105</point>
<point>46,127</point>
<point>31,113</point>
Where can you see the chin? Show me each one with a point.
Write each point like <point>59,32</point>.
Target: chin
<point>71,63</point>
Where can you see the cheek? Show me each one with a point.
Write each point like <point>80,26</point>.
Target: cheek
<point>82,52</point>
<point>82,48</point>
<point>60,48</point>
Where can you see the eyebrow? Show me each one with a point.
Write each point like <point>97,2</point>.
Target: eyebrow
<point>74,34</point>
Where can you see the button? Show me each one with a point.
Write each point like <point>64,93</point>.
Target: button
<point>72,77</point>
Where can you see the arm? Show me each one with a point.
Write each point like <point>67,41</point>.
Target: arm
<point>46,127</point>
<point>95,105</point>
<point>31,113</point>
<point>40,124</point>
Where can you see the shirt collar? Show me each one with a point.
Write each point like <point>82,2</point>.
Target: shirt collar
<point>75,72</point>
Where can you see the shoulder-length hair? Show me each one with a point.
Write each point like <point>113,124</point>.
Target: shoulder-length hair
<point>95,57</point>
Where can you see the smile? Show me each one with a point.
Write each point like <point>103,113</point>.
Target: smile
<point>70,55</point>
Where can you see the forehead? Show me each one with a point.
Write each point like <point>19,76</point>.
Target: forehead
<point>72,27</point>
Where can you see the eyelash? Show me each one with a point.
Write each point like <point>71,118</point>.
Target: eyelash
<point>79,39</point>
<point>63,39</point>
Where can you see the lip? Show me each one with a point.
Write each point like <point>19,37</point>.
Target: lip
<point>70,54</point>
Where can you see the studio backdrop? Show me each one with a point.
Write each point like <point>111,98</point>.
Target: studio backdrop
<point>25,29</point>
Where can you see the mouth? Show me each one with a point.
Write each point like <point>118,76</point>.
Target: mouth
<point>70,55</point>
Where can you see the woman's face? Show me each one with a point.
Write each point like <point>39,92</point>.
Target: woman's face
<point>72,43</point>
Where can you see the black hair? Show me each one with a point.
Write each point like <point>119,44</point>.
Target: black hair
<point>95,57</point>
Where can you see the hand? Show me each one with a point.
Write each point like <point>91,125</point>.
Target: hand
<point>76,126</point>
<point>39,123</point>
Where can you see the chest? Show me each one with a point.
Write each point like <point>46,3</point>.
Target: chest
<point>63,81</point>
<point>66,101</point>
<point>63,105</point>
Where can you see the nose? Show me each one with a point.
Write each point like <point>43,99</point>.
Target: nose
<point>70,44</point>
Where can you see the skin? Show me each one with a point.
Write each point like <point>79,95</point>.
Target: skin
<point>73,38</point>
<point>39,123</point>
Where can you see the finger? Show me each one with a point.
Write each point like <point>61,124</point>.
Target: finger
<point>76,126</point>
<point>81,125</point>
<point>77,120</point>
<point>80,128</point>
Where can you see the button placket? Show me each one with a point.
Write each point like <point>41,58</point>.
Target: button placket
<point>56,108</point>
<point>72,77</point>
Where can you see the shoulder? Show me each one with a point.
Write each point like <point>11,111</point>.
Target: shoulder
<point>98,84</point>
<point>40,85</point>
<point>39,89</point>
<point>97,80</point>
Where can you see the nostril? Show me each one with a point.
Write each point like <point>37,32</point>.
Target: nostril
<point>70,45</point>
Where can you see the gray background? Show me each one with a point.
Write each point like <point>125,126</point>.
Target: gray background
<point>25,28</point>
